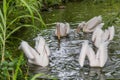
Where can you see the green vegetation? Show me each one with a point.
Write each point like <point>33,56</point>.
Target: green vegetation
<point>10,23</point>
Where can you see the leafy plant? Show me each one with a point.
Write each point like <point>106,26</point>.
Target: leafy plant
<point>9,24</point>
<point>5,26</point>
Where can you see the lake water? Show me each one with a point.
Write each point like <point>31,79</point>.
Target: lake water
<point>64,55</point>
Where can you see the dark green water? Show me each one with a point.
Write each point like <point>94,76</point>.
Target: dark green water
<point>82,11</point>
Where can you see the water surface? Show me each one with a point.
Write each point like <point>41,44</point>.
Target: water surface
<point>64,56</point>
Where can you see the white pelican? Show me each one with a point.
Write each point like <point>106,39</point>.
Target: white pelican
<point>62,29</point>
<point>39,55</point>
<point>95,60</point>
<point>91,24</point>
<point>100,36</point>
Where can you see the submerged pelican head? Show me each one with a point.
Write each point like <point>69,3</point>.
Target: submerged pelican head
<point>80,26</point>
<point>62,29</point>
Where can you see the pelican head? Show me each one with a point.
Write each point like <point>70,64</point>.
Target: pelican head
<point>80,26</point>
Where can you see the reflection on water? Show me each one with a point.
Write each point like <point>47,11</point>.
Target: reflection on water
<point>93,74</point>
<point>64,59</point>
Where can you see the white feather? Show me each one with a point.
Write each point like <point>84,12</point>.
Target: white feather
<point>64,29</point>
<point>103,53</point>
<point>95,60</point>
<point>112,32</point>
<point>94,22</point>
<point>39,44</point>
<point>91,57</point>
<point>100,36</point>
<point>39,55</point>
<point>105,35</point>
<point>83,53</point>
<point>67,25</point>
<point>97,37</point>
<point>27,49</point>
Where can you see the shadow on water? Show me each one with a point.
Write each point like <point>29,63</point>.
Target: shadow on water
<point>64,54</point>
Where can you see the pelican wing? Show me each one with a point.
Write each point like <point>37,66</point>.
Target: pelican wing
<point>57,30</point>
<point>105,35</point>
<point>62,29</point>
<point>97,37</point>
<point>39,44</point>
<point>112,32</point>
<point>103,53</point>
<point>27,49</point>
<point>67,25</point>
<point>91,56</point>
<point>44,61</point>
<point>83,53</point>
<point>41,60</point>
<point>94,35</point>
<point>94,22</point>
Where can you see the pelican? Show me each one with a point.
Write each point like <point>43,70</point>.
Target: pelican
<point>39,55</point>
<point>91,24</point>
<point>62,29</point>
<point>101,36</point>
<point>95,60</point>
